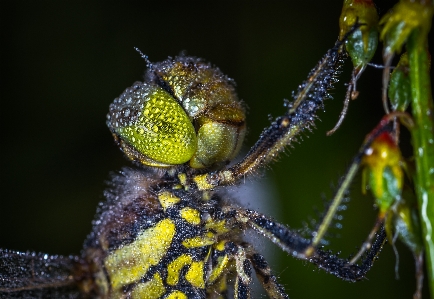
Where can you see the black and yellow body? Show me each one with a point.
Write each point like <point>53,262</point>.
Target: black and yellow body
<point>164,241</point>
<point>168,228</point>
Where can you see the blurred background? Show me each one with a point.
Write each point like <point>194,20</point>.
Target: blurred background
<point>62,64</point>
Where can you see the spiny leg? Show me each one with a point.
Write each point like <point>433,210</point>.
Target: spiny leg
<point>368,242</point>
<point>305,248</point>
<point>244,256</point>
<point>298,246</point>
<point>342,268</point>
<point>299,117</point>
<point>243,268</point>
<point>263,272</point>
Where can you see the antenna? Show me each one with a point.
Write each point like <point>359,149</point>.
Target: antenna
<point>145,57</point>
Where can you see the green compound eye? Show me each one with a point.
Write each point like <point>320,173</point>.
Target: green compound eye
<point>152,126</point>
<point>185,111</point>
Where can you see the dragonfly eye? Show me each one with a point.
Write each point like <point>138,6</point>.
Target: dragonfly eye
<point>152,127</point>
<point>185,111</point>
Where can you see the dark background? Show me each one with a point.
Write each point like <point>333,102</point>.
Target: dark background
<point>63,64</point>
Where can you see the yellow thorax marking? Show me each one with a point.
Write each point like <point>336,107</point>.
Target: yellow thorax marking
<point>202,183</point>
<point>130,262</point>
<point>200,241</point>
<point>218,226</point>
<point>167,199</point>
<point>220,246</point>
<point>152,289</point>
<point>174,268</point>
<point>190,215</point>
<point>195,275</point>
<point>177,295</point>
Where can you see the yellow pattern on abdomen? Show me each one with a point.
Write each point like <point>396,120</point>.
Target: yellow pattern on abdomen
<point>131,262</point>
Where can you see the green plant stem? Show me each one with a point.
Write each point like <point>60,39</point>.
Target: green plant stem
<point>423,141</point>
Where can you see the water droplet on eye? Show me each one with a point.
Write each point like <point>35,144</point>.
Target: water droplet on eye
<point>369,151</point>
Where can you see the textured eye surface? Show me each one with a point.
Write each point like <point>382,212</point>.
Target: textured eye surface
<point>150,121</point>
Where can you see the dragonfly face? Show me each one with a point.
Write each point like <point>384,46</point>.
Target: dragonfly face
<point>186,111</point>
<point>168,228</point>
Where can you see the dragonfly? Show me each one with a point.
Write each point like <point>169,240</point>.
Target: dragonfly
<point>169,228</point>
